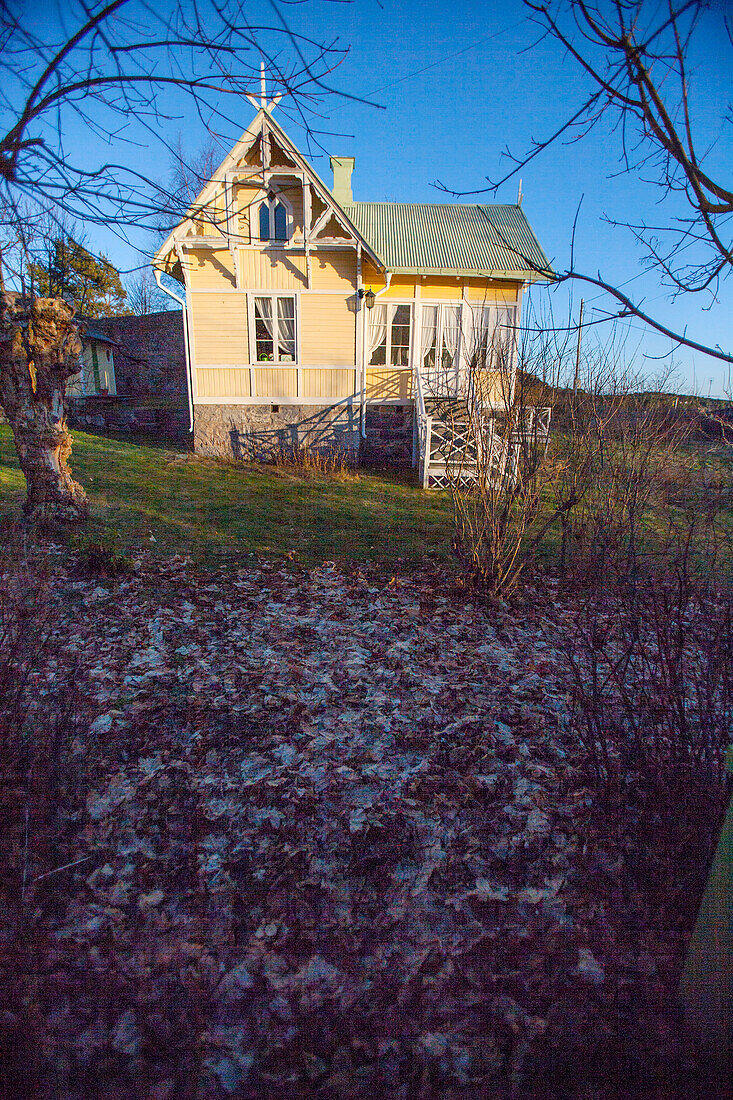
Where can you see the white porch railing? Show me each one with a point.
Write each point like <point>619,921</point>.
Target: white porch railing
<point>469,447</point>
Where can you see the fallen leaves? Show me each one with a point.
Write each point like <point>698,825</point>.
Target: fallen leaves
<point>334,839</point>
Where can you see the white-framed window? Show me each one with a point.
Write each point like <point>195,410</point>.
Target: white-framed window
<point>390,335</point>
<point>273,332</point>
<point>461,332</point>
<point>440,337</point>
<point>490,333</point>
<point>274,218</point>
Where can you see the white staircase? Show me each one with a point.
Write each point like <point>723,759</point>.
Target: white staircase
<point>459,441</point>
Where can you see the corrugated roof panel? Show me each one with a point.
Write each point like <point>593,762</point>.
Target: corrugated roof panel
<point>495,239</point>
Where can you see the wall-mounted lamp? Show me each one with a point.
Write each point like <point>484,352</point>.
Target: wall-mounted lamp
<point>369,299</point>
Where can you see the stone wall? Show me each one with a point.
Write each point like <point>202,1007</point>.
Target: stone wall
<point>265,432</point>
<point>118,416</point>
<point>149,355</point>
<point>389,434</point>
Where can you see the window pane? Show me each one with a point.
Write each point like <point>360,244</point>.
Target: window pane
<point>264,222</point>
<point>281,223</point>
<point>479,335</point>
<point>451,335</point>
<point>401,337</point>
<point>286,329</point>
<point>379,355</point>
<point>263,330</point>
<point>429,335</point>
<point>377,335</point>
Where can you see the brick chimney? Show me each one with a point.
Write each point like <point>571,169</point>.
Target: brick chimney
<point>342,168</point>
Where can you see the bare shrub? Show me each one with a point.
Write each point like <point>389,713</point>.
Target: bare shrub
<point>102,559</point>
<point>311,460</point>
<point>24,634</point>
<point>501,470</point>
<point>651,670</point>
<point>636,462</point>
<point>36,729</point>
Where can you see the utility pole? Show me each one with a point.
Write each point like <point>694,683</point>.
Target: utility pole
<point>577,353</point>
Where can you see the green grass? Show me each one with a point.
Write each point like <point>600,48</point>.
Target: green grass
<point>212,509</point>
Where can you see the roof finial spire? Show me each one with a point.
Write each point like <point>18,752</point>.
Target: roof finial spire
<point>262,104</point>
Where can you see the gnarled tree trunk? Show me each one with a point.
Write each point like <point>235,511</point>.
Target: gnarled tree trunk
<point>39,352</point>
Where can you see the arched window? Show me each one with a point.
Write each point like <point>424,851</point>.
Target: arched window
<point>281,222</point>
<point>265,221</point>
<point>274,217</point>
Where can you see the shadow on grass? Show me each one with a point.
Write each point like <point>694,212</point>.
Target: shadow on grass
<point>160,498</point>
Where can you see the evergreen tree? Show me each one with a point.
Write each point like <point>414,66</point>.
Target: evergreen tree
<point>70,271</point>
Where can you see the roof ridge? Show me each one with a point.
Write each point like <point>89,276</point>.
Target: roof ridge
<point>451,205</point>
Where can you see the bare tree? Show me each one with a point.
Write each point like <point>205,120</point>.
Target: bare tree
<point>115,67</point>
<point>143,293</point>
<point>635,55</point>
<point>500,469</point>
<point>192,170</point>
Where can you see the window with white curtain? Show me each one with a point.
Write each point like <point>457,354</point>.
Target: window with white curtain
<point>389,335</point>
<point>272,326</point>
<point>489,333</point>
<point>440,337</point>
<point>471,333</point>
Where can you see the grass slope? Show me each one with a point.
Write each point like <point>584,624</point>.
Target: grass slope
<point>209,509</point>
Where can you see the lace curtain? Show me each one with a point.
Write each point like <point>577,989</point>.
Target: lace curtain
<point>377,331</point>
<point>286,329</point>
<point>428,333</point>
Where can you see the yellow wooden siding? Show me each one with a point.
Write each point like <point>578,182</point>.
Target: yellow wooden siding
<point>327,331</point>
<point>385,384</point>
<point>491,291</point>
<point>272,382</point>
<point>243,195</point>
<point>271,269</point>
<point>222,383</point>
<point>493,388</point>
<point>441,287</point>
<point>219,328</point>
<point>294,195</point>
<point>334,385</point>
<point>275,383</point>
<point>211,220</point>
<point>333,271</point>
<point>210,268</point>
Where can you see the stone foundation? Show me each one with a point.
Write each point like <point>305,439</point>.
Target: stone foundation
<point>389,434</point>
<point>266,432</point>
<point>122,416</point>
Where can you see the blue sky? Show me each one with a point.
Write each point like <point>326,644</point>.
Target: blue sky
<point>485,87</point>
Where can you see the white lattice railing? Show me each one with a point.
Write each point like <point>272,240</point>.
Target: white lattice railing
<point>532,426</point>
<point>469,447</point>
<point>424,431</point>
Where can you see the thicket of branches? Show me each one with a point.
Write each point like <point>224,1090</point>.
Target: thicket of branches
<point>97,67</point>
<point>638,60</point>
<point>116,72</point>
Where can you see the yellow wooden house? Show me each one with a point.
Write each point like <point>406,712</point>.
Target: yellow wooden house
<point>312,320</point>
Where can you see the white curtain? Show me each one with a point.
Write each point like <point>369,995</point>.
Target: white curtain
<point>286,328</point>
<point>377,331</point>
<point>451,337</point>
<point>263,312</point>
<point>478,333</point>
<point>504,335</point>
<point>429,332</point>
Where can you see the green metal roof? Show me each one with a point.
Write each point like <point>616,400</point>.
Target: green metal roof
<point>466,239</point>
